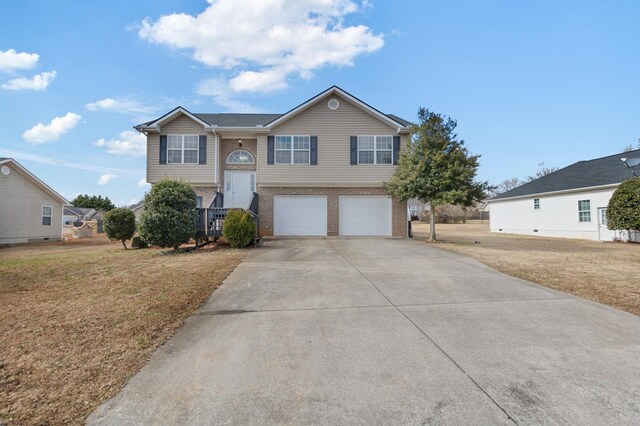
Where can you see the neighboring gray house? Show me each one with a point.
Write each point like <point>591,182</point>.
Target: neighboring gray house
<point>137,209</point>
<point>316,170</point>
<point>73,214</point>
<point>571,202</point>
<point>29,209</point>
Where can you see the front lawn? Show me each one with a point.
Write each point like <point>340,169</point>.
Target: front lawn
<point>599,271</point>
<point>78,319</point>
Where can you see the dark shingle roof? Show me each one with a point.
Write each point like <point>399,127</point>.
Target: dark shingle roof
<point>237,120</point>
<point>399,120</point>
<point>583,174</point>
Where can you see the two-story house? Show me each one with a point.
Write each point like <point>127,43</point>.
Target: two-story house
<point>318,169</point>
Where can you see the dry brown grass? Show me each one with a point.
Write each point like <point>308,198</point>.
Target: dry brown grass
<point>603,272</point>
<point>78,319</point>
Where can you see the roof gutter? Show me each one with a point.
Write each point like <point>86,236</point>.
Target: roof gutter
<point>560,192</point>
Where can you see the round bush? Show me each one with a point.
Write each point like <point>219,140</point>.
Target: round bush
<point>138,243</point>
<point>120,225</point>
<point>623,211</point>
<point>169,218</point>
<point>238,229</point>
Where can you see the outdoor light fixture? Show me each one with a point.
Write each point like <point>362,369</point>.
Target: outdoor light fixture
<point>631,163</point>
<point>240,143</point>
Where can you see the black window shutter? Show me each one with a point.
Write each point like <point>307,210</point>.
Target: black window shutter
<point>202,148</point>
<point>163,149</point>
<point>354,150</point>
<point>270,152</point>
<point>396,149</point>
<point>313,152</point>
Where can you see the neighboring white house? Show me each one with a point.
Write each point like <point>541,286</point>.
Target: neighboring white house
<point>570,203</point>
<point>29,209</point>
<point>138,208</point>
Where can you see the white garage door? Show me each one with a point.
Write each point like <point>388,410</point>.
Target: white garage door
<point>300,215</point>
<point>365,215</point>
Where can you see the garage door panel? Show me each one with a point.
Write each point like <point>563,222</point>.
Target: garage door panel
<point>299,215</point>
<point>368,215</point>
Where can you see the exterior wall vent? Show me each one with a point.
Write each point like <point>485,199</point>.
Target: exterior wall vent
<point>333,104</point>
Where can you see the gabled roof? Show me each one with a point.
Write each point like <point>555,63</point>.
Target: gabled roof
<point>33,178</point>
<point>610,170</point>
<point>237,119</point>
<point>335,89</point>
<point>266,121</point>
<point>78,211</point>
<point>137,205</point>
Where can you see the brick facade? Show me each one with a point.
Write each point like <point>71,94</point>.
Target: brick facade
<point>399,209</point>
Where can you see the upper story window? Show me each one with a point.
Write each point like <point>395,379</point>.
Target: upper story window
<point>182,149</point>
<point>240,156</point>
<point>375,149</point>
<point>536,203</point>
<point>584,210</point>
<point>292,149</point>
<point>47,213</point>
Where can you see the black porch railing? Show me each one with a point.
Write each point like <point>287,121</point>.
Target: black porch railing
<point>211,219</point>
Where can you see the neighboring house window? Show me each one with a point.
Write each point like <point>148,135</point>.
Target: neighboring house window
<point>536,203</point>
<point>292,149</point>
<point>375,149</point>
<point>240,156</point>
<point>584,210</point>
<point>182,149</point>
<point>199,202</point>
<point>47,212</point>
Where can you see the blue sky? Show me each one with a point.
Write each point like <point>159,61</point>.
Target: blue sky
<point>527,81</point>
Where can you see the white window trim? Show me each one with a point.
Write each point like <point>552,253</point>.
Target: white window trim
<point>375,150</point>
<point>292,150</point>
<point>536,206</point>
<point>253,160</point>
<point>50,216</point>
<point>182,150</point>
<point>584,211</point>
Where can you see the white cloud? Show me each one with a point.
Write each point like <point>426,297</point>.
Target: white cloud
<point>265,43</point>
<point>41,133</point>
<point>222,95</point>
<point>124,105</point>
<point>106,178</point>
<point>142,183</point>
<point>129,144</point>
<point>21,155</point>
<point>12,60</point>
<point>37,82</point>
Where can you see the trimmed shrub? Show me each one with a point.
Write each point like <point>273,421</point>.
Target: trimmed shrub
<point>120,225</point>
<point>238,229</point>
<point>623,211</point>
<point>138,243</point>
<point>169,218</point>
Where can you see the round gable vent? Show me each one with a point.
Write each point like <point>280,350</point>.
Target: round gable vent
<point>5,170</point>
<point>333,104</point>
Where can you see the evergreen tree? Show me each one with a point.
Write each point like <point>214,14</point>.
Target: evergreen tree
<point>436,167</point>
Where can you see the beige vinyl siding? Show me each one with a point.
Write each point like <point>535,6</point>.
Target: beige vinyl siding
<point>21,210</point>
<point>333,129</point>
<point>193,173</point>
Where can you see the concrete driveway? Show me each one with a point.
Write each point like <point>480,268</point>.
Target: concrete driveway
<point>362,331</point>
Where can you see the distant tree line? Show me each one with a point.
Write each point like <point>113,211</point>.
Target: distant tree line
<point>93,202</point>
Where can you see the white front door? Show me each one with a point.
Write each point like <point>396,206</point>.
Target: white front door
<point>238,186</point>
<point>604,233</point>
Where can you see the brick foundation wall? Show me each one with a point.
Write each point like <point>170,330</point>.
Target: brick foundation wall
<point>398,209</point>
